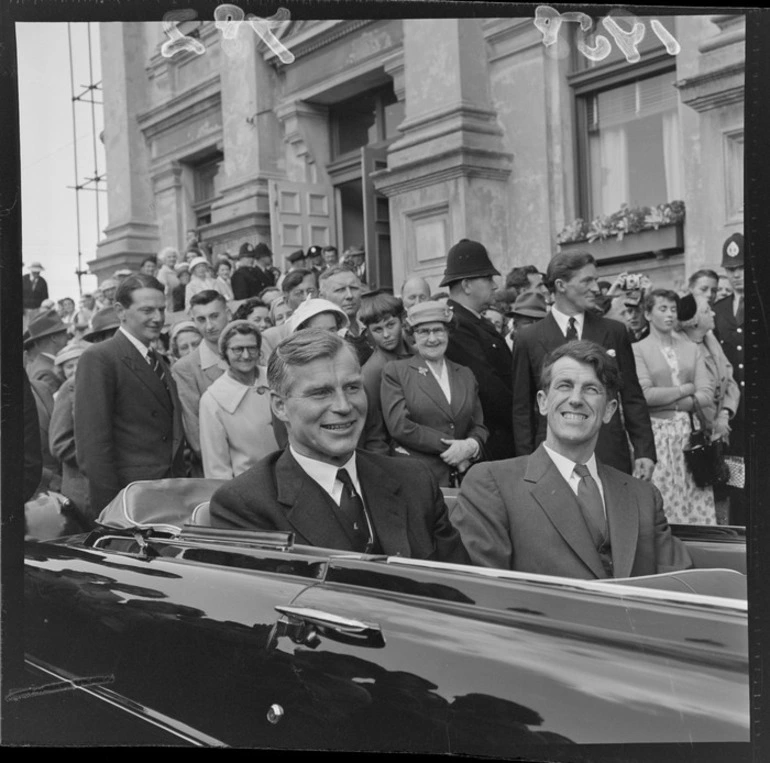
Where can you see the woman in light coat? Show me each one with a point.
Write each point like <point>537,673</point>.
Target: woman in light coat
<point>235,419</point>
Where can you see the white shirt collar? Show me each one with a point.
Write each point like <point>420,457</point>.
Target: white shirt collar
<point>326,474</point>
<point>566,468</point>
<point>143,348</point>
<point>210,358</point>
<point>562,319</point>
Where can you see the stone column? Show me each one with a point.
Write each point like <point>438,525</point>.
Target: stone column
<point>447,174</point>
<point>131,232</point>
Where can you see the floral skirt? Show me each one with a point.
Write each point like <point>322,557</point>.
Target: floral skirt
<point>683,501</point>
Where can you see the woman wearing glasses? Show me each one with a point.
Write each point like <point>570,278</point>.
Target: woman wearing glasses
<point>235,419</point>
<point>430,404</point>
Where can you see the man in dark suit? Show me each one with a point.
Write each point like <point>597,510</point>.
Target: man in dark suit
<point>729,330</point>
<point>572,281</point>
<point>476,343</point>
<point>560,511</point>
<point>247,279</point>
<point>320,487</point>
<point>128,419</point>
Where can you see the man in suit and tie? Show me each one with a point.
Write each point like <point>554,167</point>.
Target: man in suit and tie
<point>729,330</point>
<point>561,511</point>
<point>320,487</point>
<point>476,343</point>
<point>128,421</point>
<point>572,280</point>
<point>197,371</point>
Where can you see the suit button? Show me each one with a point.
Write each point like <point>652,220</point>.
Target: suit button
<point>739,348</point>
<point>164,438</point>
<point>739,330</point>
<point>743,384</point>
<point>740,365</point>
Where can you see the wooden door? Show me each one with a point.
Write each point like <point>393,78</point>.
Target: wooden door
<point>379,270</point>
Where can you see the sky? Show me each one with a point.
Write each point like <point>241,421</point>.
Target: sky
<point>49,213</point>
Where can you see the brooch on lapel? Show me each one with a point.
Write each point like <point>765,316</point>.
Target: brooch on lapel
<point>611,353</point>
<point>423,371</point>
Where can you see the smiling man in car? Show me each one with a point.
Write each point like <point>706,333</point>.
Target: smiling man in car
<point>559,511</point>
<point>320,487</point>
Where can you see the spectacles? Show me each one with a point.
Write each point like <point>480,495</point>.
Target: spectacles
<point>424,333</point>
<point>250,350</point>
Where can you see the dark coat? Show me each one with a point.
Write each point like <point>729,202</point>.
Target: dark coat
<point>44,402</point>
<point>33,296</point>
<point>127,427</point>
<point>418,415</point>
<point>405,503</point>
<point>474,342</point>
<point>520,514</point>
<point>731,336</point>
<point>249,282</point>
<point>42,368</point>
<point>33,456</point>
<point>533,343</point>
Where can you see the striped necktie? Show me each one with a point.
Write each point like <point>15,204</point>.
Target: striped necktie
<point>158,368</point>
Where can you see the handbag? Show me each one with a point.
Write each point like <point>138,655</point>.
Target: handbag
<point>737,469</point>
<point>704,459</point>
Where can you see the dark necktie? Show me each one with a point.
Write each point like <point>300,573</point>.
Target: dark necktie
<point>352,509</point>
<point>157,367</point>
<point>739,312</point>
<point>591,504</point>
<point>571,330</point>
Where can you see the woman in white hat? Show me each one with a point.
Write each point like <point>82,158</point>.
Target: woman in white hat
<point>235,419</point>
<point>318,314</point>
<point>61,434</point>
<point>430,404</point>
<point>201,279</point>
<point>184,337</point>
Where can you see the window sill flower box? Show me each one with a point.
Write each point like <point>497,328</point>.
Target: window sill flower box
<point>629,232</point>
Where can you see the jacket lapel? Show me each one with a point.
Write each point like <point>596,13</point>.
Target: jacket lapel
<point>428,384</point>
<point>141,369</point>
<point>623,519</point>
<point>557,500</point>
<point>594,329</point>
<point>386,508</point>
<point>458,391</point>
<point>550,336</point>
<point>306,510</point>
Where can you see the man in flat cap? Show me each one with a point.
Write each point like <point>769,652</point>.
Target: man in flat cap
<point>729,329</point>
<point>476,343</point>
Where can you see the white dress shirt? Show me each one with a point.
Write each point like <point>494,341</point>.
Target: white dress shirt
<point>143,348</point>
<point>563,321</point>
<point>326,474</point>
<point>566,468</point>
<point>442,377</point>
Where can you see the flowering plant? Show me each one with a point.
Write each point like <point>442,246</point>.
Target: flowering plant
<point>626,220</point>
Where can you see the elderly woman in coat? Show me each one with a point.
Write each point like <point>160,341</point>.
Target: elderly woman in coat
<point>235,418</point>
<point>430,404</point>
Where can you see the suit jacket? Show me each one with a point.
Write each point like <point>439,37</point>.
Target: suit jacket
<point>731,336</point>
<point>405,503</point>
<point>32,296</point>
<point>248,282</point>
<point>42,368</point>
<point>127,427</point>
<point>533,343</point>
<point>192,381</point>
<point>33,455</point>
<point>418,415</point>
<point>520,514</point>
<point>44,402</point>
<point>474,342</point>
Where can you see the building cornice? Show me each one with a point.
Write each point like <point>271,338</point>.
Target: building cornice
<point>197,100</point>
<point>714,89</point>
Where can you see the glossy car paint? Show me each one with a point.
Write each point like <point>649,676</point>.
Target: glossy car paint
<point>189,630</point>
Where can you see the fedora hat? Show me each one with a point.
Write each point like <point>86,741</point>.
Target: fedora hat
<point>36,266</point>
<point>467,259</point>
<point>45,324</point>
<point>530,305</point>
<point>103,320</point>
<point>732,251</point>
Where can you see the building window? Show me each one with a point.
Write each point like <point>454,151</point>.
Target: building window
<point>631,145</point>
<point>365,119</point>
<point>205,188</point>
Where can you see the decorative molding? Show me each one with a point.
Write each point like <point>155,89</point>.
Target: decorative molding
<point>714,89</point>
<point>208,34</point>
<point>394,68</point>
<point>292,115</point>
<point>315,39</point>
<point>167,176</point>
<point>442,167</point>
<point>204,97</point>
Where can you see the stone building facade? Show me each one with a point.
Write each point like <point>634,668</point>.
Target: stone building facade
<point>405,135</point>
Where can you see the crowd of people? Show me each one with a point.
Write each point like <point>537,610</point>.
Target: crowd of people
<point>191,366</point>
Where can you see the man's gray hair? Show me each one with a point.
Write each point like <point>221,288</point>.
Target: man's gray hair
<point>334,270</point>
<point>298,349</point>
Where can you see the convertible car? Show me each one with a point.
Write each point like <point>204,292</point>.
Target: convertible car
<point>158,629</point>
